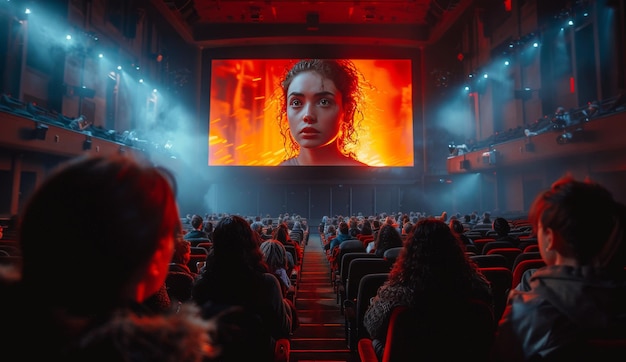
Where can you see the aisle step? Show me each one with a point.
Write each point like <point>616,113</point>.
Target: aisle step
<point>321,336</point>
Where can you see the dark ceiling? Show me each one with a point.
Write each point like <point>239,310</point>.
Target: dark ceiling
<point>215,23</point>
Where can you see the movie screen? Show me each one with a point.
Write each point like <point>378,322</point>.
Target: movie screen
<point>359,114</point>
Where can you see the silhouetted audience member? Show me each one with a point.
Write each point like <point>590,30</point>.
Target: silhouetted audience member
<point>592,110</point>
<point>581,292</point>
<point>467,222</point>
<point>181,257</point>
<point>208,229</point>
<point>342,235</point>
<point>560,119</point>
<point>407,227</point>
<point>459,231</point>
<point>375,227</point>
<point>432,274</point>
<point>388,237</point>
<point>366,228</point>
<point>257,226</point>
<point>486,219</point>
<point>502,228</point>
<point>197,223</point>
<point>281,233</point>
<point>353,228</point>
<point>116,220</point>
<point>331,233</point>
<point>296,233</point>
<point>236,275</point>
<point>275,256</point>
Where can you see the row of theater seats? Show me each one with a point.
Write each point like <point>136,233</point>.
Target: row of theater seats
<point>356,275</point>
<point>467,332</point>
<point>360,274</point>
<point>178,285</point>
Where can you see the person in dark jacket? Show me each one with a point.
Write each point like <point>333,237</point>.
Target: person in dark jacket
<point>581,292</point>
<point>197,223</point>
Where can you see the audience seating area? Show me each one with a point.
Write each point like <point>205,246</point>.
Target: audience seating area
<point>356,275</point>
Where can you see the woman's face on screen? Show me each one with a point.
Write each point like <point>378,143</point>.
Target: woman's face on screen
<point>314,110</point>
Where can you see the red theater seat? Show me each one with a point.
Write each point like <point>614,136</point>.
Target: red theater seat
<point>464,334</point>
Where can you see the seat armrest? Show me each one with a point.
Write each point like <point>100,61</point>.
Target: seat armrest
<point>282,350</point>
<point>366,350</point>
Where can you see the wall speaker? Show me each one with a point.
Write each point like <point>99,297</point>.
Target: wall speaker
<point>40,131</point>
<point>87,144</point>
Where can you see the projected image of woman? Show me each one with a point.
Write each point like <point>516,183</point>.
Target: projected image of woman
<point>320,113</point>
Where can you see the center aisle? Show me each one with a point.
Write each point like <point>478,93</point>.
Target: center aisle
<point>321,336</point>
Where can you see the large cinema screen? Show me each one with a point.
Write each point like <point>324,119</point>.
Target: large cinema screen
<point>245,104</point>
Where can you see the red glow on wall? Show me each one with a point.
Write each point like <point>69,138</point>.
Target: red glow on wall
<point>572,85</point>
<point>507,5</point>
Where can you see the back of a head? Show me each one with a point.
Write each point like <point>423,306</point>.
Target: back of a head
<point>457,226</point>
<point>343,228</point>
<point>588,219</point>
<point>388,237</point>
<point>232,233</point>
<point>197,222</point>
<point>234,244</point>
<point>257,226</point>
<point>111,212</point>
<point>182,251</point>
<point>281,233</point>
<point>407,227</point>
<point>430,255</point>
<point>274,254</point>
<point>501,226</point>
